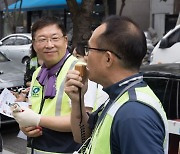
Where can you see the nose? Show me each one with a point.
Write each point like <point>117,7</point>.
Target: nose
<point>49,43</point>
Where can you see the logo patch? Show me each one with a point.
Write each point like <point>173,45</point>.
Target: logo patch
<point>35,91</point>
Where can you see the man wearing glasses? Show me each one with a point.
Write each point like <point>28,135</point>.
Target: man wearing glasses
<point>47,125</point>
<point>133,121</point>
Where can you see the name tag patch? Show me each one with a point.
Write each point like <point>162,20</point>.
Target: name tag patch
<point>35,91</point>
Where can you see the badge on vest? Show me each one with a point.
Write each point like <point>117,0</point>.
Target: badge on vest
<point>35,91</point>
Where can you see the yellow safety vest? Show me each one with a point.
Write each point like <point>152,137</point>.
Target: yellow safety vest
<point>34,63</point>
<point>57,106</point>
<point>100,141</point>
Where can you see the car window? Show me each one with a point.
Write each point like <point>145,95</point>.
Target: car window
<point>174,37</point>
<point>167,91</point>
<point>171,40</point>
<point>16,40</point>
<point>21,40</point>
<point>9,41</point>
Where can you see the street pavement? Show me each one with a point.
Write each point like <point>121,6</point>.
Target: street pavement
<point>11,143</point>
<point>7,152</point>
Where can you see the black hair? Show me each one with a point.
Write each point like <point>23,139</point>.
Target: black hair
<point>46,21</point>
<point>80,48</point>
<point>124,37</point>
<point>33,52</point>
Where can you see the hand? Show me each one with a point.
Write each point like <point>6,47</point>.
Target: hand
<point>19,97</point>
<point>73,83</point>
<point>31,131</point>
<point>26,117</point>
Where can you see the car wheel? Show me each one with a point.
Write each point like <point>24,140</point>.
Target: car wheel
<point>25,60</point>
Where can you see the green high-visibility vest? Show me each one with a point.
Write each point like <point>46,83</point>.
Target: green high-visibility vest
<point>34,63</point>
<point>57,106</point>
<point>100,141</point>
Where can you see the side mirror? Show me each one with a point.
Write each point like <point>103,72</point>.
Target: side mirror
<point>164,43</point>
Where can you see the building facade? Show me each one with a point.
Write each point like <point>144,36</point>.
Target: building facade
<point>157,14</point>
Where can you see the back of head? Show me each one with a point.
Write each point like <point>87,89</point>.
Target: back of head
<point>47,21</point>
<point>126,39</point>
<point>80,48</point>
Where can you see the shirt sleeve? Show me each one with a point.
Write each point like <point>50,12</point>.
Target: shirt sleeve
<point>90,95</point>
<point>137,128</point>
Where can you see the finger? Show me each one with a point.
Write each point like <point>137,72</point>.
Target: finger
<point>15,94</point>
<point>73,75</point>
<point>27,129</point>
<point>72,82</point>
<point>34,133</point>
<point>73,89</point>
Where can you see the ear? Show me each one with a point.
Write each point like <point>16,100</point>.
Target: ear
<point>109,58</point>
<point>66,38</point>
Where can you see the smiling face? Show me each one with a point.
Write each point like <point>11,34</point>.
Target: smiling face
<point>50,44</point>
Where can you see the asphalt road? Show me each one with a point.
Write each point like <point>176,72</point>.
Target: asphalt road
<point>10,140</point>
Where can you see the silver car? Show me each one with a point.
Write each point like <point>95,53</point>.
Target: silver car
<point>11,77</point>
<point>168,48</point>
<point>16,46</point>
<point>150,48</point>
<point>11,73</point>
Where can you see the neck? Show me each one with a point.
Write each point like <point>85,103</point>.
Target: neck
<point>49,65</point>
<point>117,76</point>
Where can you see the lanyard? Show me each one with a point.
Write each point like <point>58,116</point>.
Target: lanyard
<point>135,80</point>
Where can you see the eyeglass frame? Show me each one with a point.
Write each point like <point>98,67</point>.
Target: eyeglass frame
<point>86,51</point>
<point>46,40</point>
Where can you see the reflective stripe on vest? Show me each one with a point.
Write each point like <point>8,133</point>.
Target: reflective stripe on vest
<point>56,103</point>
<point>59,105</point>
<point>100,142</point>
<point>60,94</point>
<point>40,152</point>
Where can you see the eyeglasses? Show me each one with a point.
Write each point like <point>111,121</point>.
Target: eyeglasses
<point>44,40</point>
<point>87,49</point>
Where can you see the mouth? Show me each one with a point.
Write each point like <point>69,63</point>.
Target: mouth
<point>49,52</point>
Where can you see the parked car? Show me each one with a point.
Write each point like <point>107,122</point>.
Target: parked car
<point>16,46</point>
<point>150,48</point>
<point>164,79</point>
<point>168,48</point>
<point>11,77</point>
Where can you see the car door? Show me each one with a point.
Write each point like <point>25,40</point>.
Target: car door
<point>166,87</point>
<point>16,47</point>
<point>7,45</point>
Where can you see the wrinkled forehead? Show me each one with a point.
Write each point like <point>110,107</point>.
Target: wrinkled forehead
<point>95,35</point>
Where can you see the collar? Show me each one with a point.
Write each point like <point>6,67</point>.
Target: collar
<point>114,90</point>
